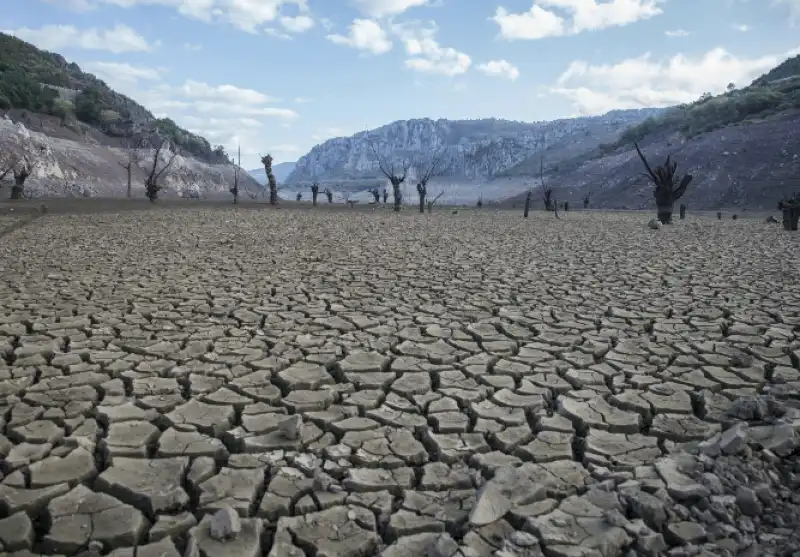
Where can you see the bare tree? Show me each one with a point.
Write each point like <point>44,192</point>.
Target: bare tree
<point>151,185</point>
<point>22,171</point>
<point>425,170</point>
<point>376,195</point>
<point>235,188</point>
<point>314,193</point>
<point>266,160</point>
<point>394,171</point>
<point>668,189</point>
<point>385,195</point>
<point>8,161</point>
<point>132,148</point>
<point>329,194</point>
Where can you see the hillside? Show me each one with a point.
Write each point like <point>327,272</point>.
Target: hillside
<point>473,150</point>
<point>45,83</point>
<point>743,148</point>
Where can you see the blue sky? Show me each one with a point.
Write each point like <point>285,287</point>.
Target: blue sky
<point>284,75</point>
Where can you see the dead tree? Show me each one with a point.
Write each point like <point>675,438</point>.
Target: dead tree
<point>668,188</point>
<point>314,193</point>
<point>132,147</point>
<point>395,172</point>
<point>385,195</point>
<point>547,192</point>
<point>22,171</point>
<point>528,197</point>
<point>299,196</point>
<point>329,195</point>
<point>433,201</point>
<point>266,160</point>
<point>376,195</point>
<point>235,188</point>
<point>425,171</point>
<point>586,199</point>
<point>151,185</point>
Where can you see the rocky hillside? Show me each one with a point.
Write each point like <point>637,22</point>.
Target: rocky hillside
<point>742,147</point>
<point>77,125</point>
<point>474,150</point>
<point>75,167</point>
<point>280,170</point>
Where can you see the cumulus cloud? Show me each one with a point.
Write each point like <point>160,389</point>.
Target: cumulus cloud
<point>115,73</point>
<point>553,18</point>
<point>118,39</point>
<point>365,35</point>
<point>248,15</point>
<point>500,68</point>
<point>426,55</point>
<point>383,8</point>
<point>644,81</point>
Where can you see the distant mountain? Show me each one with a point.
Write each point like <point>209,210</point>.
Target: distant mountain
<point>280,170</point>
<point>473,150</point>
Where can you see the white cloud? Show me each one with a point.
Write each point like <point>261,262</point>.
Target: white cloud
<point>741,27</point>
<point>248,15</point>
<point>383,8</point>
<point>116,72</point>
<point>500,68</point>
<point>578,16</point>
<point>193,47</point>
<point>645,82</point>
<point>117,39</point>
<point>366,35</point>
<point>674,33</point>
<point>223,93</point>
<point>302,100</point>
<point>426,55</point>
<point>297,24</point>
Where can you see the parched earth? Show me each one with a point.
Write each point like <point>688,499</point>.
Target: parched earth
<point>240,382</point>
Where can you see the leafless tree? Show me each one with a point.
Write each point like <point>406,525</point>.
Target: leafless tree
<point>151,185</point>
<point>266,160</point>
<point>8,161</point>
<point>133,156</point>
<point>314,193</point>
<point>425,170</point>
<point>329,195</point>
<point>550,201</point>
<point>376,195</point>
<point>22,170</point>
<point>235,188</point>
<point>396,172</point>
<point>668,187</point>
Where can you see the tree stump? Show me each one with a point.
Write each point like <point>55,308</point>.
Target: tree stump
<point>791,216</point>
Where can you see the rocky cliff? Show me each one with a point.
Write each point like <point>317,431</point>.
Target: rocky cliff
<point>473,150</point>
<point>83,168</point>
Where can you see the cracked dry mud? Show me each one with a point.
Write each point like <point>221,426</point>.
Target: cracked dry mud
<point>362,383</point>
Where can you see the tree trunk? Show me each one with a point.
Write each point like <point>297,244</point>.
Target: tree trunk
<point>790,218</point>
<point>314,199</point>
<point>664,214</point>
<point>17,191</point>
<point>527,205</point>
<point>683,211</point>
<point>422,202</point>
<point>130,183</point>
<point>585,204</point>
<point>398,197</point>
<point>273,196</point>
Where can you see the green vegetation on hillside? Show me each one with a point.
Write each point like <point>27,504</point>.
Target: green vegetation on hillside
<point>773,92</point>
<point>44,82</point>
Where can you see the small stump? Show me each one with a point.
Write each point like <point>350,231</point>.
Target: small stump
<point>791,216</point>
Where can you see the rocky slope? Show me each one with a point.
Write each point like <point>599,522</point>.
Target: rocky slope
<point>745,166</point>
<point>73,167</point>
<point>474,150</point>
